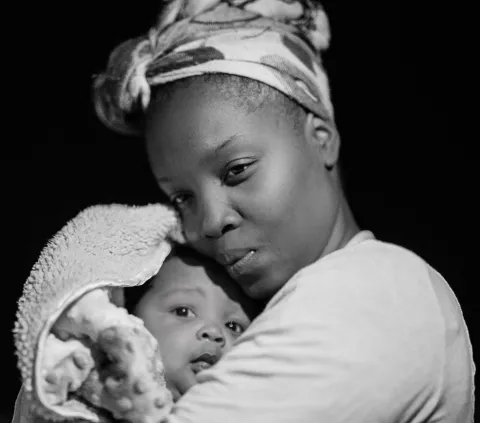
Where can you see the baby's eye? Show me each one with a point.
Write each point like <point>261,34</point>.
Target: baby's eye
<point>235,327</point>
<point>184,312</point>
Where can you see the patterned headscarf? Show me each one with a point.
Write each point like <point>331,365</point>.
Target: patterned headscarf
<point>277,42</point>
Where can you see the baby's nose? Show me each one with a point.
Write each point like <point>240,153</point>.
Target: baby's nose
<point>213,333</point>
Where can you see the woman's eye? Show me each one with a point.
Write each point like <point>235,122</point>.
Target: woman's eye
<point>235,172</point>
<point>179,200</point>
<point>185,312</point>
<point>235,327</point>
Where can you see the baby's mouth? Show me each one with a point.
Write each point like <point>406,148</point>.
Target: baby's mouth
<point>203,362</point>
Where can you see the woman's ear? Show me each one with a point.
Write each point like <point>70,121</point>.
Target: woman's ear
<point>324,137</point>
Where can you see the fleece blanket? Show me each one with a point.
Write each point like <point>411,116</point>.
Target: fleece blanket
<point>71,325</point>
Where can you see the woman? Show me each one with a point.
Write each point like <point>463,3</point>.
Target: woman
<point>240,133</point>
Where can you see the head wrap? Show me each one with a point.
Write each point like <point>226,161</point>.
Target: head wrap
<point>277,42</point>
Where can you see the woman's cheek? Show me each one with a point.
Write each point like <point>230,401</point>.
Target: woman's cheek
<point>269,194</point>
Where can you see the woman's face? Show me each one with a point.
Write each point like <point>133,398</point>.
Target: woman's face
<point>253,193</point>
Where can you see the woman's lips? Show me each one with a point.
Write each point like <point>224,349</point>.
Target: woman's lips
<point>243,265</point>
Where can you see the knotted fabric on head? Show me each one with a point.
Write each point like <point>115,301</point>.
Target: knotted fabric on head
<point>277,42</point>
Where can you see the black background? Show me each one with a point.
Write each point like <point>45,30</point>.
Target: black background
<point>400,87</point>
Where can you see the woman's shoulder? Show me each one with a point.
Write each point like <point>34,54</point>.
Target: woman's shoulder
<point>368,271</point>
<point>373,308</point>
<point>369,258</point>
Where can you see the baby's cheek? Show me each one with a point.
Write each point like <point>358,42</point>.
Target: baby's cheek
<point>173,389</point>
<point>172,386</point>
<point>231,339</point>
<point>179,381</point>
<point>174,352</point>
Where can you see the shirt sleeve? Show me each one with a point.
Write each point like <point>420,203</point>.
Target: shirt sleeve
<point>358,337</point>
<point>355,339</point>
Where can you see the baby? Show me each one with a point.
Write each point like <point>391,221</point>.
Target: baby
<point>195,311</point>
<point>93,360</point>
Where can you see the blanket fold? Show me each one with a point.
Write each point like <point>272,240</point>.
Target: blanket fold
<point>67,306</point>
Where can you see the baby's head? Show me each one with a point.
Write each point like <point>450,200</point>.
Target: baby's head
<point>195,311</point>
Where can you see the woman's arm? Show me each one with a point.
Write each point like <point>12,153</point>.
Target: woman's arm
<point>356,338</point>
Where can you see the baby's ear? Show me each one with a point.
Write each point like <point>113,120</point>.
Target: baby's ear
<point>117,296</point>
<point>324,137</point>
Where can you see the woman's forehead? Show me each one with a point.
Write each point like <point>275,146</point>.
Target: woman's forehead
<point>196,121</point>
<point>195,108</point>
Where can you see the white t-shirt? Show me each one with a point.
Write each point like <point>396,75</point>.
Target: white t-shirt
<point>367,334</point>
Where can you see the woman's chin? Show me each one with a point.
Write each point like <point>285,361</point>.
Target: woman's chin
<point>264,276</point>
<point>257,288</point>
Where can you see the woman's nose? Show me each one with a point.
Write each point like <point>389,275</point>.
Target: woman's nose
<point>216,217</point>
<point>213,333</point>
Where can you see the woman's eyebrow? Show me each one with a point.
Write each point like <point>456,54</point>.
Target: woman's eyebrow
<point>163,179</point>
<point>209,155</point>
<point>225,143</point>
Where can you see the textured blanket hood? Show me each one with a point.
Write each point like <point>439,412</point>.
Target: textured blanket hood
<point>105,247</point>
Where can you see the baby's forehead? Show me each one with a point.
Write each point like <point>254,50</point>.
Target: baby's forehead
<point>201,278</point>
<point>194,273</point>
<point>188,272</point>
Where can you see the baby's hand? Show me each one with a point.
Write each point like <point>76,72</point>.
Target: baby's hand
<point>105,356</point>
<point>130,380</point>
<point>65,368</point>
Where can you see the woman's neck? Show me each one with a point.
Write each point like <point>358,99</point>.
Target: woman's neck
<point>344,228</point>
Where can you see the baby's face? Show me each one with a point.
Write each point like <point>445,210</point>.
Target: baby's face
<point>196,312</point>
